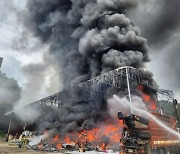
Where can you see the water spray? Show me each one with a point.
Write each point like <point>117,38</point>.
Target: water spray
<point>129,92</point>
<point>151,116</point>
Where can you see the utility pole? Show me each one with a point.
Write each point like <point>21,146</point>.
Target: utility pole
<point>24,127</point>
<point>7,136</point>
<point>1,59</point>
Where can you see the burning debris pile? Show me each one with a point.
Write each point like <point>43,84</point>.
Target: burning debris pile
<point>88,38</point>
<point>104,138</point>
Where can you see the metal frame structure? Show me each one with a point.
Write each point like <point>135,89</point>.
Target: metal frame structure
<point>166,95</point>
<point>114,78</point>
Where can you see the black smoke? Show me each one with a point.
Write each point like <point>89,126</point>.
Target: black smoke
<point>88,38</point>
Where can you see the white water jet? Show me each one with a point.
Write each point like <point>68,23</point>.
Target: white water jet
<point>149,115</point>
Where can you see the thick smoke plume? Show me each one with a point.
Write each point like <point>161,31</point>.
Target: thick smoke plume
<point>88,38</point>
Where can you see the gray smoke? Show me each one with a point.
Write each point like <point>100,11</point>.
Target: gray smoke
<point>88,38</point>
<point>37,74</point>
<point>10,93</point>
<point>35,79</point>
<point>159,22</point>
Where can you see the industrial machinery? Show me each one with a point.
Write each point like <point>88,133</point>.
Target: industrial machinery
<point>133,139</point>
<point>150,139</point>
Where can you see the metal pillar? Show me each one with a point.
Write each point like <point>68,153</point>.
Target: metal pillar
<point>129,92</point>
<point>7,136</point>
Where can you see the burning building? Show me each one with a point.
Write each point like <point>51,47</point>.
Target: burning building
<point>100,53</point>
<point>81,113</point>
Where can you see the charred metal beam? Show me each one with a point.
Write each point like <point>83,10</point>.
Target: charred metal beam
<point>114,78</point>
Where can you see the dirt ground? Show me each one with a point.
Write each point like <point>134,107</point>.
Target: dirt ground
<point>12,148</point>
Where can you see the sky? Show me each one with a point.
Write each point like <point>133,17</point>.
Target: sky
<point>20,50</point>
<point>158,22</point>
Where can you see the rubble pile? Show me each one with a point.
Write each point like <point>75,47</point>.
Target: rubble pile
<point>99,139</point>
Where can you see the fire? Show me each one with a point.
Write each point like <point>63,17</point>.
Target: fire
<point>56,138</point>
<point>104,137</point>
<point>103,146</point>
<point>147,98</point>
<point>59,146</point>
<point>90,136</point>
<point>67,140</point>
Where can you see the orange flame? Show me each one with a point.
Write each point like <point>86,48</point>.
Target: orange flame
<point>67,140</point>
<point>56,138</point>
<point>147,98</point>
<point>59,146</point>
<point>112,131</point>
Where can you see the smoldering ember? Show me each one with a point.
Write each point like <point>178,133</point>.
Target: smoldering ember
<point>108,101</point>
